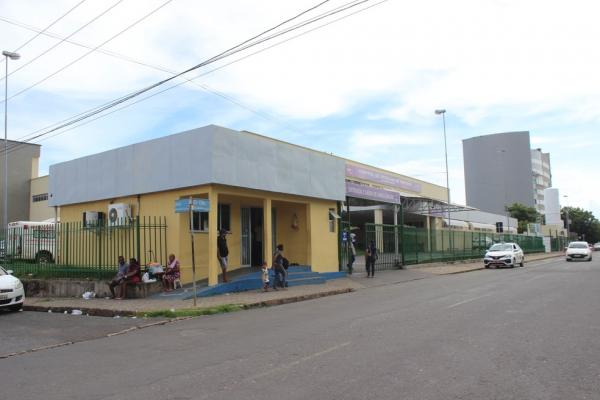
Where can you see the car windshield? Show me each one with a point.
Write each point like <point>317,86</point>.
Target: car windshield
<point>501,247</point>
<point>578,246</point>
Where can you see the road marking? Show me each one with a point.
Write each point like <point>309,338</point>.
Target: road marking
<point>299,361</point>
<point>460,303</point>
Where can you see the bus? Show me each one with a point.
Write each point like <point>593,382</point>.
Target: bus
<point>29,240</point>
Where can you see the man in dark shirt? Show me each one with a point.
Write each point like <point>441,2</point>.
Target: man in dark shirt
<point>222,252</point>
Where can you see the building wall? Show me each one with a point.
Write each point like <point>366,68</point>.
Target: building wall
<point>210,154</point>
<point>498,171</point>
<point>310,243</point>
<point>22,167</point>
<point>39,210</point>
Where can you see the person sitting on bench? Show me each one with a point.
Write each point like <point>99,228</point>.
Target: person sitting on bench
<point>132,277</point>
<point>118,279</point>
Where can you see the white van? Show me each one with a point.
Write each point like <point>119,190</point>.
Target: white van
<point>29,240</point>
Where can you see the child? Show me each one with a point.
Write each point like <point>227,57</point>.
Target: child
<point>265,277</point>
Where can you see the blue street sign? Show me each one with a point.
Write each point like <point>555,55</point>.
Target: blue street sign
<point>183,205</point>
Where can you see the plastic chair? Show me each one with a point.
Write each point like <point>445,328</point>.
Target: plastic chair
<point>177,281</point>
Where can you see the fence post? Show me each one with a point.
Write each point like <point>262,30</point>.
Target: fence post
<point>402,247</point>
<point>137,237</point>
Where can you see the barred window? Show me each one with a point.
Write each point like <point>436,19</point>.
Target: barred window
<point>39,197</point>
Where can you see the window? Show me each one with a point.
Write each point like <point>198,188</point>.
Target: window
<point>39,197</point>
<point>199,221</point>
<point>332,218</point>
<point>224,217</point>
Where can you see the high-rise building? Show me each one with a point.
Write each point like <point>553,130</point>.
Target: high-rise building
<point>23,160</point>
<point>498,171</point>
<point>542,177</point>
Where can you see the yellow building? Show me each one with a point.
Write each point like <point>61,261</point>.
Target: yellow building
<point>262,190</point>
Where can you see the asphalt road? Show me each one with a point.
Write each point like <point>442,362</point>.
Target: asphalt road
<point>525,333</point>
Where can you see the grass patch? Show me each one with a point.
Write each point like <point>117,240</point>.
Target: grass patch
<point>191,312</point>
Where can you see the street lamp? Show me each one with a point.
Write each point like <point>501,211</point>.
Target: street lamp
<point>501,152</point>
<point>443,113</point>
<point>12,56</point>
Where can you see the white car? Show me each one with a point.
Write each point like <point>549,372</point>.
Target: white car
<point>597,246</point>
<point>578,251</point>
<point>12,293</point>
<point>504,255</point>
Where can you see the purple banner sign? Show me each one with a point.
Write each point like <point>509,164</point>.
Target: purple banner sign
<point>355,171</point>
<point>371,193</point>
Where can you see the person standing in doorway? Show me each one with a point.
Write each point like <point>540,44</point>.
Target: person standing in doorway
<point>223,252</point>
<point>370,258</point>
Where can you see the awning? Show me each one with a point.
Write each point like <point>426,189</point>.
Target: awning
<point>432,207</point>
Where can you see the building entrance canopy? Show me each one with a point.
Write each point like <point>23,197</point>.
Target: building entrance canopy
<point>410,204</point>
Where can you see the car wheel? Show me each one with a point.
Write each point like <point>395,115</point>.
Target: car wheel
<point>590,259</point>
<point>16,307</point>
<point>568,259</point>
<point>514,262</point>
<point>43,257</point>
<point>522,264</point>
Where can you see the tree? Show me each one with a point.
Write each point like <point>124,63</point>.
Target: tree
<point>524,214</point>
<point>583,222</point>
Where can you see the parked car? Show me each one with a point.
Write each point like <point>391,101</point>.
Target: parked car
<point>597,246</point>
<point>12,293</point>
<point>578,251</point>
<point>504,255</point>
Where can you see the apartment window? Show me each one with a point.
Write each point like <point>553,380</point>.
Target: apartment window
<point>39,197</point>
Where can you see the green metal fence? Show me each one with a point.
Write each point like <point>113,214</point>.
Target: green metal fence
<point>74,250</point>
<point>405,245</point>
<point>558,243</point>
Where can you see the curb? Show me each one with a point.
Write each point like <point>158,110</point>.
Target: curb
<point>101,312</point>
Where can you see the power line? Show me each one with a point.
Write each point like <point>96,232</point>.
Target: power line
<point>86,115</point>
<point>49,26</point>
<point>91,51</point>
<point>21,66</point>
<point>175,74</point>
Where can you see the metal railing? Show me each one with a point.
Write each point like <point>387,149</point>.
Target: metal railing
<point>405,245</point>
<point>77,250</point>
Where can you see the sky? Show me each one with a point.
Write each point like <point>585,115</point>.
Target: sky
<point>363,87</point>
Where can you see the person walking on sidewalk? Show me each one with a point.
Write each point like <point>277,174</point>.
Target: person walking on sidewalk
<point>370,258</point>
<point>280,271</point>
<point>223,252</point>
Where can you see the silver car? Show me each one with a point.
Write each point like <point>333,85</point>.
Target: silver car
<point>504,255</point>
<point>578,251</point>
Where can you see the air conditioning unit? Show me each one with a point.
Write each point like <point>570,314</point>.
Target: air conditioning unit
<point>119,214</point>
<point>92,218</point>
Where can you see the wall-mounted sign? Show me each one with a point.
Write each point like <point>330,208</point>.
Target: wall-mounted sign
<point>183,205</point>
<point>367,192</point>
<point>362,173</point>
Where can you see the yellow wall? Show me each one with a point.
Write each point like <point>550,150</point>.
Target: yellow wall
<point>323,244</point>
<point>292,231</point>
<point>310,243</point>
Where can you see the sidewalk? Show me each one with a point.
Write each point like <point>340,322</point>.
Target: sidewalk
<point>250,299</point>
